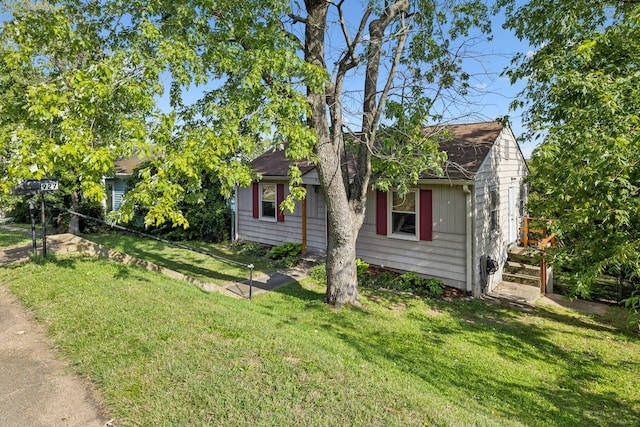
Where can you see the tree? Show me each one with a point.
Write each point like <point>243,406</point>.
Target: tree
<point>307,74</point>
<point>71,100</point>
<point>270,71</point>
<point>583,96</point>
<point>206,211</point>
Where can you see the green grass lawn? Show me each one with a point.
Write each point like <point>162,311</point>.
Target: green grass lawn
<point>10,239</point>
<point>187,262</point>
<point>164,353</point>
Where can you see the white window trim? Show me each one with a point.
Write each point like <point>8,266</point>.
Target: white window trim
<point>495,188</point>
<point>273,218</point>
<point>403,236</point>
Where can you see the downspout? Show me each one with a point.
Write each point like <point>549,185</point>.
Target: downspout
<point>469,239</point>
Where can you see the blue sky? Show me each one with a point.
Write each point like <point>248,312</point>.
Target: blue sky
<point>492,94</point>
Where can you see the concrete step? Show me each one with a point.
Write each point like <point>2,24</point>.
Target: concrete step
<point>523,255</point>
<point>515,267</point>
<point>514,294</point>
<point>523,279</point>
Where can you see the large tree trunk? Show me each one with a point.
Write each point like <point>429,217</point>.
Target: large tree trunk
<point>342,280</point>
<point>74,221</point>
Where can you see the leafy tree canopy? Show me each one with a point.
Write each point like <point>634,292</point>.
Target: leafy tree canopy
<point>304,73</point>
<point>583,95</point>
<point>71,99</point>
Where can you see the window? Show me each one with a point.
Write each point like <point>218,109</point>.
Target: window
<point>410,217</point>
<point>493,208</point>
<point>268,201</point>
<point>403,214</point>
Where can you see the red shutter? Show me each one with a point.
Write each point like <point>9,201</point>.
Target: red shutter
<point>426,215</point>
<point>256,200</point>
<point>381,213</point>
<point>279,200</point>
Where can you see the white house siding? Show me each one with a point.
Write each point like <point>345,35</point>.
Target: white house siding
<point>443,257</point>
<point>275,233</point>
<point>503,167</point>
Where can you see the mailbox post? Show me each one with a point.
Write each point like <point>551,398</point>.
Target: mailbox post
<point>33,187</point>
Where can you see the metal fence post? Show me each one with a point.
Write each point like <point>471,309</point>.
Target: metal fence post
<point>32,216</point>
<point>44,225</point>
<point>250,280</point>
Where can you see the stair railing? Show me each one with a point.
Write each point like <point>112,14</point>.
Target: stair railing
<point>545,241</point>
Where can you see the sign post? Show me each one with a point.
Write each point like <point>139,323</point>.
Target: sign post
<point>32,216</point>
<point>33,187</point>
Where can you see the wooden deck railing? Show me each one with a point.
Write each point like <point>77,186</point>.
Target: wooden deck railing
<point>527,231</point>
<point>542,240</point>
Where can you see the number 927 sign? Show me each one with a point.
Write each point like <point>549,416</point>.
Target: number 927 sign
<point>48,185</point>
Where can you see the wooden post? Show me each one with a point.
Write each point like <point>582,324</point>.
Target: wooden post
<point>543,275</point>
<point>525,234</point>
<point>304,222</point>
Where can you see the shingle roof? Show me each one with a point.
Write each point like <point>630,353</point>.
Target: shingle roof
<point>465,151</point>
<point>126,165</point>
<point>274,163</point>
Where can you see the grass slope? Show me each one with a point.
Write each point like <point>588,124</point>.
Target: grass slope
<point>164,353</point>
<point>10,239</point>
<point>193,264</point>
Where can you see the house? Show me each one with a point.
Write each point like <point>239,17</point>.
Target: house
<point>456,227</point>
<point>116,185</point>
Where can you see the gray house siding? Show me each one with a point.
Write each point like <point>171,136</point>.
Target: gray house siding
<point>118,187</point>
<point>290,230</point>
<point>443,257</point>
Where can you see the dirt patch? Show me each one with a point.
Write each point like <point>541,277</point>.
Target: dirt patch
<point>433,313</point>
<point>586,307</point>
<point>36,386</point>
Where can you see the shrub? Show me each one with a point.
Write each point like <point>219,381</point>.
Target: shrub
<point>95,210</point>
<point>405,282</point>
<point>285,250</point>
<point>319,274</point>
<point>362,267</point>
<point>254,249</point>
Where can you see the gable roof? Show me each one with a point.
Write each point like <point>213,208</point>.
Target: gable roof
<point>275,163</point>
<point>126,165</point>
<point>466,151</point>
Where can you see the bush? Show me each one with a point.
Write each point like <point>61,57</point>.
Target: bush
<point>633,305</point>
<point>95,210</point>
<point>286,250</point>
<point>405,282</point>
<point>20,211</point>
<point>362,267</point>
<point>319,274</point>
<point>254,249</point>
<point>207,212</point>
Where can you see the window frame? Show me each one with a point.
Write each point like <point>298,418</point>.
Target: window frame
<point>416,213</point>
<point>264,217</point>
<point>494,209</point>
